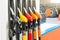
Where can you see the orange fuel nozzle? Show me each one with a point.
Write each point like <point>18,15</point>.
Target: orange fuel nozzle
<point>37,14</point>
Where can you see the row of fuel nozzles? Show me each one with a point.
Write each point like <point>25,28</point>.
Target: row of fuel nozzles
<point>31,21</point>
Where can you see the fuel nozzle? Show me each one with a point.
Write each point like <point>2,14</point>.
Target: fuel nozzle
<point>22,17</point>
<point>37,13</point>
<point>30,20</point>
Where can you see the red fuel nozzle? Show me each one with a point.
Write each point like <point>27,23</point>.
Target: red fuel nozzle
<point>28,16</point>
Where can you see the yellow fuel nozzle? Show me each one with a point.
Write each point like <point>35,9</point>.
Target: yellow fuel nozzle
<point>22,17</point>
<point>33,15</point>
<point>37,14</point>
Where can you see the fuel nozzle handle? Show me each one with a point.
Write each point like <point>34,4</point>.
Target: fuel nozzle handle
<point>37,13</point>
